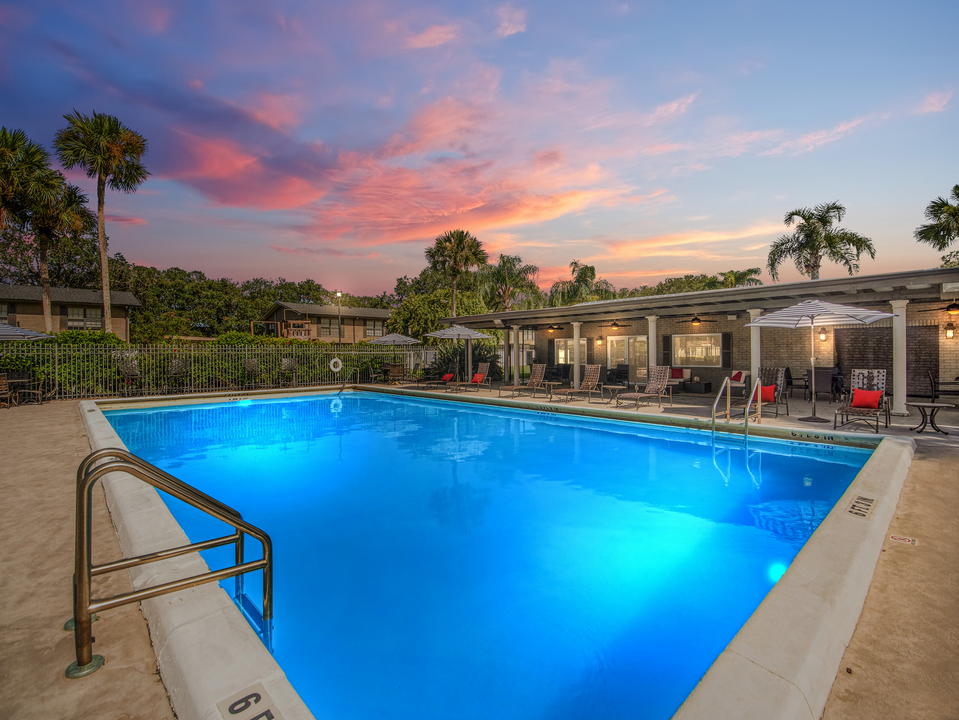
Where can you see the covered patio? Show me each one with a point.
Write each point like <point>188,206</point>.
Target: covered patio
<point>705,333</point>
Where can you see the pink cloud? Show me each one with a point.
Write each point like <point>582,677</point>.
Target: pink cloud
<point>156,15</point>
<point>195,83</point>
<point>124,220</point>
<point>813,140</point>
<point>674,244</point>
<point>934,102</point>
<point>433,36</point>
<point>319,253</point>
<point>668,111</point>
<point>229,176</point>
<point>280,112</point>
<point>511,20</point>
<point>17,18</point>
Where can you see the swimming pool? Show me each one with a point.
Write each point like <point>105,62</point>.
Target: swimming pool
<point>462,562</point>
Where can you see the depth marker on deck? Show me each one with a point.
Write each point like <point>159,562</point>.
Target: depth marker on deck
<point>903,539</point>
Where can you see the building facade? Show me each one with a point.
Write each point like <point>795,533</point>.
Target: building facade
<point>705,332</point>
<point>71,309</point>
<point>325,323</point>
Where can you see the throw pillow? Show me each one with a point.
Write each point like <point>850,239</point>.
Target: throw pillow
<point>737,376</point>
<point>478,377</point>
<point>768,394</point>
<point>866,398</point>
<point>447,377</point>
<point>677,374</point>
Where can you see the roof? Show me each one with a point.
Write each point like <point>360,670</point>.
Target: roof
<point>917,285</point>
<point>328,310</point>
<point>77,296</point>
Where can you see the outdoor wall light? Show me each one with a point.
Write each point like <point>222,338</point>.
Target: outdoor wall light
<point>599,340</point>
<point>822,335</point>
<point>950,331</point>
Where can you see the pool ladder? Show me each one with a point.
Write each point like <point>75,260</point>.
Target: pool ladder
<point>759,408</point>
<point>85,607</point>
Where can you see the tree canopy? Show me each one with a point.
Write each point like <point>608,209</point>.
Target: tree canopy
<point>817,238</point>
<point>943,227</point>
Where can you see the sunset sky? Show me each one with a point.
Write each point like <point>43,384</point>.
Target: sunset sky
<point>334,141</point>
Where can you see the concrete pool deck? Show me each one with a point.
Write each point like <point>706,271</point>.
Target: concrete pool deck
<point>902,655</point>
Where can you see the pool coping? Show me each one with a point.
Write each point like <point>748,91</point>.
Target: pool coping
<point>781,664</point>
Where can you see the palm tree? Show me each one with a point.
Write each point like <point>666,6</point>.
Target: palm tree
<point>740,278</point>
<point>507,282</point>
<point>23,164</point>
<point>583,287</point>
<point>816,238</point>
<point>59,211</point>
<point>943,226</point>
<point>109,151</point>
<point>454,253</point>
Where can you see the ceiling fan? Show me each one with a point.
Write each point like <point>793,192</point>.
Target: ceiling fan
<point>696,321</point>
<point>613,325</point>
<point>952,308</point>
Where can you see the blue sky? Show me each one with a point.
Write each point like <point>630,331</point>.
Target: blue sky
<point>336,140</point>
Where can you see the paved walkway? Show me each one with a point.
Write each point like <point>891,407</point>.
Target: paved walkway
<point>42,446</point>
<point>904,655</point>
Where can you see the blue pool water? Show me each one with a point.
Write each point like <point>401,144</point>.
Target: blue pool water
<point>450,562</point>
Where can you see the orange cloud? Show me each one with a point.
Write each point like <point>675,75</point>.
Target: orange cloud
<point>673,244</point>
<point>124,220</point>
<point>433,36</point>
<point>280,112</point>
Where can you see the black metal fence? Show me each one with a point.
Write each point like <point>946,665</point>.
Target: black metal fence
<point>92,371</point>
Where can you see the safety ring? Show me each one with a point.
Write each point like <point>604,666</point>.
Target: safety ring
<point>336,364</point>
<point>336,406</point>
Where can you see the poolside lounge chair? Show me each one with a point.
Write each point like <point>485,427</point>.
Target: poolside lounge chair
<point>396,374</point>
<point>536,375</point>
<point>442,380</point>
<point>479,379</point>
<point>589,385</point>
<point>869,407</point>
<point>288,371</point>
<point>32,393</point>
<point>413,375</point>
<point>179,373</point>
<point>657,386</point>
<point>768,377</point>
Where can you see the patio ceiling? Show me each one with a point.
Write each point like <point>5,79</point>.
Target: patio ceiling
<point>919,285</point>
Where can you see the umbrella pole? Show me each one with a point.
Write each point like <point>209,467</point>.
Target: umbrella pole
<point>812,374</point>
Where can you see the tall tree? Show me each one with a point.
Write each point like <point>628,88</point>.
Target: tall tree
<point>584,286</point>
<point>740,278</point>
<point>60,212</point>
<point>943,227</point>
<point>109,151</point>
<point>24,169</point>
<point>816,238</point>
<point>508,282</point>
<point>454,253</point>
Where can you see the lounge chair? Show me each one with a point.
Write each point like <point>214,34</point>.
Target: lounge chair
<point>739,380</point>
<point>536,375</point>
<point>479,379</point>
<point>589,385</point>
<point>441,381</point>
<point>254,373</point>
<point>869,406</point>
<point>396,374</point>
<point>768,377</point>
<point>413,376</point>
<point>657,386</point>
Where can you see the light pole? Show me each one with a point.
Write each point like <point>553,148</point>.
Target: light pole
<point>339,331</point>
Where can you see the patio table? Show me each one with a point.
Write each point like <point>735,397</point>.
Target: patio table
<point>929,417</point>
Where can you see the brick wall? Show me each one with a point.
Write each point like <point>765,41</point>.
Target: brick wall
<point>871,347</point>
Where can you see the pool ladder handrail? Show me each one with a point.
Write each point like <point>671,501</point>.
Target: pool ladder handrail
<point>84,606</point>
<point>752,394</point>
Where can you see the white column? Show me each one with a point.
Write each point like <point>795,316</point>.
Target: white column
<point>899,358</point>
<point>651,343</point>
<point>515,354</point>
<point>576,357</point>
<point>754,348</point>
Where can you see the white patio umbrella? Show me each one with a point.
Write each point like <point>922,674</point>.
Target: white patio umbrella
<point>8,332</point>
<point>395,339</point>
<point>458,332</point>
<point>810,313</point>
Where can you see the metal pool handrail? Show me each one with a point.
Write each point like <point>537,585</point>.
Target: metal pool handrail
<point>84,606</point>
<point>724,386</point>
<point>759,410</point>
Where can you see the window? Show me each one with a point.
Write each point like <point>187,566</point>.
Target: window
<point>698,350</point>
<point>374,328</point>
<point>84,318</point>
<point>329,326</point>
<point>526,337</point>
<point>564,351</point>
<point>4,312</point>
<point>628,350</point>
